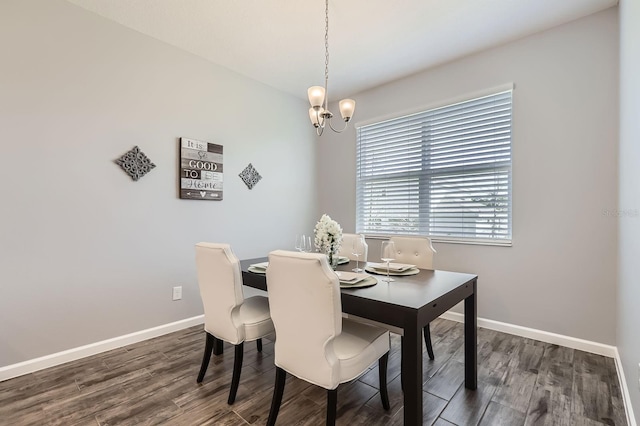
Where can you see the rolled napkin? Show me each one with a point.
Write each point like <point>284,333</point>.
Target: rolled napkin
<point>393,267</point>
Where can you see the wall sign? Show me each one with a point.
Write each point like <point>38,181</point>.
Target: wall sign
<point>200,170</point>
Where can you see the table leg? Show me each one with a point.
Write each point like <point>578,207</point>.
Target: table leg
<point>412,375</point>
<point>471,339</point>
<point>217,346</point>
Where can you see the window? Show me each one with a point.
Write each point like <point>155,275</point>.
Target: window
<point>444,173</point>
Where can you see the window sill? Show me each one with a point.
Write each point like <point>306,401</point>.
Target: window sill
<point>449,240</point>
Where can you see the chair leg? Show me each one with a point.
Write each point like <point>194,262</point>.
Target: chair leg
<point>237,369</point>
<point>208,347</point>
<point>401,363</point>
<point>278,390</point>
<point>427,341</point>
<point>382,375</point>
<point>259,344</point>
<point>218,346</point>
<point>332,405</point>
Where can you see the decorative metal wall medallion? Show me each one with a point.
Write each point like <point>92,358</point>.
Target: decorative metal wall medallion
<point>135,163</point>
<point>250,176</point>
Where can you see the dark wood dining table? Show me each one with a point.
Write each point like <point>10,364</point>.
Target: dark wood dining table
<point>410,303</point>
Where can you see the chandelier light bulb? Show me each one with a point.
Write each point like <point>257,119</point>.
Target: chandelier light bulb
<point>347,106</point>
<point>315,115</point>
<point>316,96</point>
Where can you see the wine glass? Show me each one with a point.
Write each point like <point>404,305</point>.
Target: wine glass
<point>306,244</point>
<point>358,250</point>
<point>387,254</point>
<point>299,243</point>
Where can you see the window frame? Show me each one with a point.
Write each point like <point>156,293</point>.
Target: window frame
<point>423,226</point>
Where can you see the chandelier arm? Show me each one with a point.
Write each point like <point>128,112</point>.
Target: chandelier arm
<point>346,124</point>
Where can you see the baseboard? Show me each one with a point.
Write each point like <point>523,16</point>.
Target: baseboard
<point>543,336</point>
<point>58,358</point>
<point>626,397</point>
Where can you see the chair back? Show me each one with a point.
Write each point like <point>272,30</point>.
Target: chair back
<point>220,282</point>
<point>415,251</point>
<point>347,246</point>
<point>304,299</point>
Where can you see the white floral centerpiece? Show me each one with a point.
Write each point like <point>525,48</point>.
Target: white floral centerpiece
<point>328,238</point>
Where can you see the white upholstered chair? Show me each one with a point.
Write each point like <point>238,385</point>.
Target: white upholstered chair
<point>313,341</point>
<point>228,315</point>
<point>346,249</point>
<point>416,251</point>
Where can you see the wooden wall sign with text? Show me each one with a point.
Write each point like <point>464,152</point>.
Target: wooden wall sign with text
<point>200,170</point>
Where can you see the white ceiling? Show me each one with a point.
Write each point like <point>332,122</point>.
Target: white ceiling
<point>281,42</point>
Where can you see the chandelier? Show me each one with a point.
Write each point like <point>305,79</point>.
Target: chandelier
<point>318,96</point>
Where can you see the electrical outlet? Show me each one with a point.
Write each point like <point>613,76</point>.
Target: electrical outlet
<point>177,293</point>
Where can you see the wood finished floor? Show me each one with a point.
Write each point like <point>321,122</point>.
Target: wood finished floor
<point>520,382</point>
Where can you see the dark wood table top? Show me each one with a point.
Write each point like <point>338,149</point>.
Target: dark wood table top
<point>412,291</point>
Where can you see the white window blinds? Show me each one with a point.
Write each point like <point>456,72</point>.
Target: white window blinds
<point>445,173</point>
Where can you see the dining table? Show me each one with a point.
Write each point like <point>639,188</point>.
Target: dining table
<point>409,303</point>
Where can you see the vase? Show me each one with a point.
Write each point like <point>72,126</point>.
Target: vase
<point>333,260</point>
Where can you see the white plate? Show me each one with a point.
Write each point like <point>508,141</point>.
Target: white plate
<point>350,277</point>
<point>412,271</point>
<point>342,260</point>
<point>255,270</point>
<point>393,267</point>
<point>367,282</point>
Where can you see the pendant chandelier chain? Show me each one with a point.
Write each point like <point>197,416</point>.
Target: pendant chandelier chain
<point>319,113</point>
<point>326,47</point>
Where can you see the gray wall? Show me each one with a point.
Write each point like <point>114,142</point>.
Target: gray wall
<point>87,254</point>
<point>629,222</point>
<point>560,274</point>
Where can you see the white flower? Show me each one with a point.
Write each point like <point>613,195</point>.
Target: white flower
<point>328,235</point>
